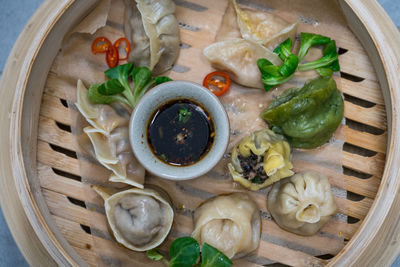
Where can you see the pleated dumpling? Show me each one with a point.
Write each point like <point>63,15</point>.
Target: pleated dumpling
<point>109,140</point>
<point>260,159</point>
<point>115,153</point>
<point>102,117</point>
<point>153,29</point>
<point>230,223</point>
<point>139,219</point>
<point>239,58</point>
<point>303,203</point>
<point>263,27</point>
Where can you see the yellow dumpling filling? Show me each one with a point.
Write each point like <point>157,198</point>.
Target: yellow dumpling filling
<point>260,159</point>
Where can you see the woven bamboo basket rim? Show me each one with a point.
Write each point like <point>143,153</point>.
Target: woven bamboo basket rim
<point>21,88</point>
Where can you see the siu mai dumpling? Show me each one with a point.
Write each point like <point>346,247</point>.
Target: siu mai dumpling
<point>139,219</point>
<point>230,223</point>
<point>260,159</point>
<point>239,58</point>
<point>303,203</point>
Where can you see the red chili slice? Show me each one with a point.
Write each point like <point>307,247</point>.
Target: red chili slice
<point>101,45</point>
<point>127,47</point>
<point>217,82</point>
<point>112,57</point>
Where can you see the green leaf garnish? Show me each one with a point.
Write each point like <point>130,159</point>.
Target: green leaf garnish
<point>184,115</point>
<point>118,89</point>
<point>274,75</point>
<point>154,254</point>
<point>184,252</point>
<point>212,257</point>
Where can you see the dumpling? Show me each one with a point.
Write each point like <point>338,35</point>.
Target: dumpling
<point>229,28</point>
<point>230,223</point>
<point>260,159</point>
<point>239,58</point>
<point>108,136</point>
<point>140,219</point>
<point>154,31</point>
<point>114,152</point>
<point>264,28</point>
<point>303,203</point>
<point>102,117</point>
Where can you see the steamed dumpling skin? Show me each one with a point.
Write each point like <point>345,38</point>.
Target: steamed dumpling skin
<point>230,223</point>
<point>154,31</point>
<point>303,203</point>
<point>239,58</point>
<point>139,219</point>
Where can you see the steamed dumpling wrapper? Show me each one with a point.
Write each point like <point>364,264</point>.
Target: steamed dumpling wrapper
<point>260,159</point>
<point>239,58</point>
<point>108,135</point>
<point>140,219</point>
<point>230,223</point>
<point>153,29</point>
<point>303,203</point>
<point>264,28</point>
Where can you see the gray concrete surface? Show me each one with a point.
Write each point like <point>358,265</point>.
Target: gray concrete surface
<point>14,14</point>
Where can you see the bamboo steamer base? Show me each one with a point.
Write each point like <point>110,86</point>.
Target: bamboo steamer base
<point>364,153</point>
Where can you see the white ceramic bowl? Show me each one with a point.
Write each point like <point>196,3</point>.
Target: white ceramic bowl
<point>154,99</point>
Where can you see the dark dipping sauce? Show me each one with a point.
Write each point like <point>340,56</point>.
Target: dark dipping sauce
<point>180,132</point>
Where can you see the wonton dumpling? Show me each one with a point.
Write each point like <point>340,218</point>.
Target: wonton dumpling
<point>239,58</point>
<point>263,27</point>
<point>153,29</point>
<point>260,159</point>
<point>102,117</point>
<point>140,219</point>
<point>303,203</point>
<point>230,223</point>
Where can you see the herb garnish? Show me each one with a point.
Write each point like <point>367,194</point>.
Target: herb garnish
<point>184,115</point>
<point>118,88</point>
<point>185,252</point>
<point>273,75</point>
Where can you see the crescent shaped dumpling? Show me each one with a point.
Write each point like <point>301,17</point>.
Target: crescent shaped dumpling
<point>303,203</point>
<point>260,159</point>
<point>239,58</point>
<point>114,152</point>
<point>153,29</point>
<point>230,223</point>
<point>139,219</point>
<point>102,117</point>
<point>262,27</point>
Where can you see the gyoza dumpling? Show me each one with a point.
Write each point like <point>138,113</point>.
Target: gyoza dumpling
<point>230,223</point>
<point>115,153</point>
<point>260,159</point>
<point>229,28</point>
<point>102,117</point>
<point>108,135</point>
<point>239,58</point>
<point>264,28</point>
<point>140,219</point>
<point>153,29</point>
<point>303,203</point>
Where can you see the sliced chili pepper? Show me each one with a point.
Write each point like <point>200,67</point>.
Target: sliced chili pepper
<point>101,45</point>
<point>217,82</point>
<point>127,47</point>
<point>112,57</point>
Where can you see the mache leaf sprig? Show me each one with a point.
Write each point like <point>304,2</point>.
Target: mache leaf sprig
<point>118,88</point>
<point>185,252</point>
<point>274,75</point>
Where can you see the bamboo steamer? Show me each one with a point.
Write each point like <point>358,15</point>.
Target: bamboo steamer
<point>50,228</point>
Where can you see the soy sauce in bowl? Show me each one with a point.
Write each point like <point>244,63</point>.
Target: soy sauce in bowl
<point>180,132</point>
